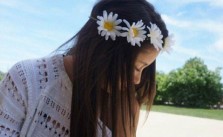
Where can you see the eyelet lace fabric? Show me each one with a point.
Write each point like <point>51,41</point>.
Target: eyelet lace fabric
<point>12,102</point>
<point>35,99</point>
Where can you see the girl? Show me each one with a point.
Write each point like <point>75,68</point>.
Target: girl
<point>96,88</point>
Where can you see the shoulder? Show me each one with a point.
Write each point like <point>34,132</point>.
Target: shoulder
<point>41,69</point>
<point>41,72</point>
<point>68,64</point>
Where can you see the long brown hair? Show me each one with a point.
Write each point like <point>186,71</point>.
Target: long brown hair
<point>103,73</point>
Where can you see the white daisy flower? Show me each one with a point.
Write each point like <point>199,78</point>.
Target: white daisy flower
<point>135,33</point>
<point>108,25</point>
<point>155,36</point>
<point>168,43</point>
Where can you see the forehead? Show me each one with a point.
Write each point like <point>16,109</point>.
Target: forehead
<point>147,54</point>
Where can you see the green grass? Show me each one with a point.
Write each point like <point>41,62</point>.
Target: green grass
<point>196,112</point>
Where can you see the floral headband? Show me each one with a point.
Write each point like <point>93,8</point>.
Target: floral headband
<point>135,33</point>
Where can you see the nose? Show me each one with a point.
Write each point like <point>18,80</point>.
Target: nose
<point>137,78</point>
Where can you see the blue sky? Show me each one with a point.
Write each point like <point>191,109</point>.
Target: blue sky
<point>32,29</point>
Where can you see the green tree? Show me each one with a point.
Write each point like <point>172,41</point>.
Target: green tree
<point>161,94</point>
<point>194,85</point>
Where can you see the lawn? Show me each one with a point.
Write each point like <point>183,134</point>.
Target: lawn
<point>196,112</point>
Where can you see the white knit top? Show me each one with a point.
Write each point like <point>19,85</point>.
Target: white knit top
<point>35,100</point>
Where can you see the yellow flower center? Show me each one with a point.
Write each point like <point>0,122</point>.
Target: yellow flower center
<point>135,32</point>
<point>108,25</point>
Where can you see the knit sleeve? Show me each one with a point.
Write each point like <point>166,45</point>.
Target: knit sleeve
<point>13,101</point>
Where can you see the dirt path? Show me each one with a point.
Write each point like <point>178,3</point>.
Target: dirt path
<point>170,125</point>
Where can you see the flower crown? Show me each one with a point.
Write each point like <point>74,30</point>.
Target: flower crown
<point>135,33</point>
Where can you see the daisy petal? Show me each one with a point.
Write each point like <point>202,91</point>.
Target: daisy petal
<point>155,36</point>
<point>118,21</point>
<point>105,15</point>
<point>100,18</point>
<point>127,23</point>
<point>115,17</point>
<point>135,33</point>
<point>103,33</point>
<point>110,16</point>
<point>108,25</point>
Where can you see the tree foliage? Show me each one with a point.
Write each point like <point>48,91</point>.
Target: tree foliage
<point>193,85</point>
<point>161,95</point>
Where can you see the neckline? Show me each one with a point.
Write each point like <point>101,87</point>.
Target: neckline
<point>68,82</point>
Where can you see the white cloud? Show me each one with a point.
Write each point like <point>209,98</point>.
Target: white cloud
<point>208,24</point>
<point>214,30</point>
<point>186,51</point>
<point>22,6</point>
<point>175,22</point>
<point>210,53</point>
<point>8,3</point>
<point>218,45</point>
<point>215,3</point>
<point>198,32</point>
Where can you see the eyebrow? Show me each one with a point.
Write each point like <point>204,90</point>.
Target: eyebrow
<point>145,51</point>
<point>144,63</point>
